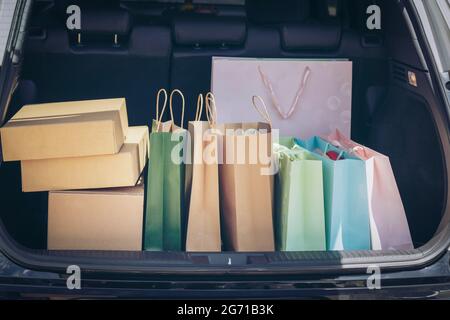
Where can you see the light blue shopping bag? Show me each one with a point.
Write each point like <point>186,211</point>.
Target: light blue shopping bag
<point>345,195</point>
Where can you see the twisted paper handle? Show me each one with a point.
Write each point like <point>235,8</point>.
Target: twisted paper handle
<point>301,89</point>
<point>182,106</point>
<point>198,113</point>
<point>211,110</point>
<point>341,141</point>
<point>261,110</point>
<point>158,116</point>
<point>341,154</point>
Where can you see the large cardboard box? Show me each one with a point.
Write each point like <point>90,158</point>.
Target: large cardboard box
<point>118,170</point>
<point>108,219</point>
<point>65,129</point>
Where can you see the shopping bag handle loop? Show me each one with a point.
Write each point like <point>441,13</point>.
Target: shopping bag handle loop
<point>359,151</point>
<point>198,113</point>
<point>211,109</point>
<point>158,98</point>
<point>341,154</point>
<point>341,141</point>
<point>300,91</point>
<point>261,110</point>
<point>182,106</point>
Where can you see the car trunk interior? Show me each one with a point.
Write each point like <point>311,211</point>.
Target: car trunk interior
<point>132,49</point>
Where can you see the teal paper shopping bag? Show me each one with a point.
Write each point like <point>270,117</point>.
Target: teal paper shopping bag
<point>345,195</point>
<point>300,217</point>
<point>388,223</point>
<point>164,216</point>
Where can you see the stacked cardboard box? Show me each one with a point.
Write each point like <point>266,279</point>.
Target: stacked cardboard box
<point>88,147</point>
<point>103,219</point>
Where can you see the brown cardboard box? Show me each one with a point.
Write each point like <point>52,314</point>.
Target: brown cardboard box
<point>108,219</point>
<point>65,129</point>
<point>118,170</point>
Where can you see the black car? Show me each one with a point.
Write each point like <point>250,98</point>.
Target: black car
<point>131,49</point>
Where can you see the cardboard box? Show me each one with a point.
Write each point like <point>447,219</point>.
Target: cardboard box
<point>65,129</point>
<point>118,170</point>
<point>108,219</point>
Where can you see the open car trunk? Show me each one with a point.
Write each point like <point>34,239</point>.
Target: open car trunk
<point>140,47</point>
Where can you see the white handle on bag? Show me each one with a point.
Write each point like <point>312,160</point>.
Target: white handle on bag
<point>158,116</point>
<point>182,106</point>
<point>263,110</point>
<point>198,113</point>
<point>211,109</point>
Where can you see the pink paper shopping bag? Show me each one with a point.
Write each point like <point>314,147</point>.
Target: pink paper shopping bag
<point>388,224</point>
<point>305,98</point>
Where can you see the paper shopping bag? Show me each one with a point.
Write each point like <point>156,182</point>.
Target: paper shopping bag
<point>164,217</point>
<point>202,180</point>
<point>300,212</point>
<point>246,186</point>
<point>345,195</point>
<point>304,98</point>
<point>388,224</point>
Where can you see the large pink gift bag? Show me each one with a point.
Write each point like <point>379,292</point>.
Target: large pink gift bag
<point>305,98</point>
<point>388,224</point>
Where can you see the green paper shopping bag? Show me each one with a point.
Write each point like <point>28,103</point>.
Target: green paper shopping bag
<point>164,216</point>
<point>345,194</point>
<point>300,214</point>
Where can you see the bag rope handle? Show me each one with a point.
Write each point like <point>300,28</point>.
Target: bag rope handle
<point>211,109</point>
<point>341,154</point>
<point>356,151</point>
<point>158,116</point>
<point>263,110</point>
<point>344,143</point>
<point>198,113</point>
<point>273,96</point>
<point>182,107</point>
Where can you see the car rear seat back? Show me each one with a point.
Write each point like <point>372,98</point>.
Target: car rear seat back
<point>197,38</point>
<point>113,59</point>
<point>298,29</point>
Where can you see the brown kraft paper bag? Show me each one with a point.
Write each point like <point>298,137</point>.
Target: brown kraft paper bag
<point>246,184</point>
<point>202,177</point>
